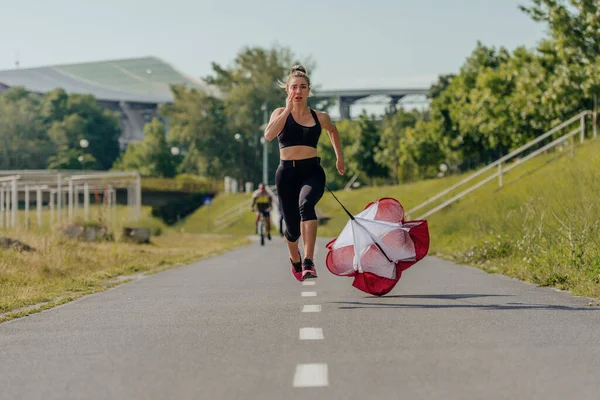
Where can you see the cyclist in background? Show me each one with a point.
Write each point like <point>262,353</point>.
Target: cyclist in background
<point>262,203</point>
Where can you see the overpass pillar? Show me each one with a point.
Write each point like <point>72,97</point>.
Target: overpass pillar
<point>345,104</point>
<point>393,107</point>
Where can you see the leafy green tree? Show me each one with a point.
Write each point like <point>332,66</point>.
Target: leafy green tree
<point>464,105</point>
<point>393,133</point>
<point>70,158</point>
<point>438,88</point>
<point>55,106</point>
<point>24,143</point>
<point>198,125</point>
<point>361,155</point>
<point>71,118</point>
<point>574,28</point>
<point>101,129</point>
<point>152,157</point>
<point>65,135</point>
<point>423,151</point>
<point>574,24</point>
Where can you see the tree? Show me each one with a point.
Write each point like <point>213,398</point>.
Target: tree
<point>151,157</point>
<point>101,129</point>
<point>23,140</point>
<point>70,158</point>
<point>65,136</point>
<point>55,106</point>
<point>422,152</point>
<point>465,102</point>
<point>361,155</point>
<point>393,133</point>
<point>575,29</point>
<point>198,125</point>
<point>440,86</point>
<point>70,118</point>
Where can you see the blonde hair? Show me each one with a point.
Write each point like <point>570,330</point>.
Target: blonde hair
<point>296,71</point>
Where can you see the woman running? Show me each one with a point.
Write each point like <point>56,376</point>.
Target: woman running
<point>300,179</point>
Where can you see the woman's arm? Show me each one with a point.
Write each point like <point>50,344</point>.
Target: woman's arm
<point>278,118</point>
<point>334,136</point>
<point>276,123</point>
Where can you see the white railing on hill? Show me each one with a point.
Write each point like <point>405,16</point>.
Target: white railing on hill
<point>231,215</point>
<point>499,163</point>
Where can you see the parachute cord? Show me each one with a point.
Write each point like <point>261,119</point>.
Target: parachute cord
<point>347,212</point>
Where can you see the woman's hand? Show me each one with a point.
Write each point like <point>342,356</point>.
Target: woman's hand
<point>340,166</point>
<point>289,105</point>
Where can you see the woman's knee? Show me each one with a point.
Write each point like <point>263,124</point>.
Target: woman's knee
<point>292,235</point>
<point>309,199</point>
<point>307,209</point>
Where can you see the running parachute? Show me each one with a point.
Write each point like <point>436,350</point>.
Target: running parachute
<point>377,245</point>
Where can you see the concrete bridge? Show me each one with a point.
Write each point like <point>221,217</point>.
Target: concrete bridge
<point>346,97</point>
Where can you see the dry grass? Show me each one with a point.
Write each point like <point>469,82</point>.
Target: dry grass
<point>61,269</point>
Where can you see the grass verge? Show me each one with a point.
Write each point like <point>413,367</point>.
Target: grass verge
<point>61,270</point>
<point>543,228</point>
<point>206,218</point>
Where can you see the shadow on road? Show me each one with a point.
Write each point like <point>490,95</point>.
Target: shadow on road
<point>352,305</point>
<point>440,296</point>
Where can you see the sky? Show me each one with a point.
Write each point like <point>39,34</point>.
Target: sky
<point>354,43</point>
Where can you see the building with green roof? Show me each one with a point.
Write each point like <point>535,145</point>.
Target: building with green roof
<point>132,87</point>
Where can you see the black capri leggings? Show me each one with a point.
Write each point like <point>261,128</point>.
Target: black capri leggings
<point>300,185</point>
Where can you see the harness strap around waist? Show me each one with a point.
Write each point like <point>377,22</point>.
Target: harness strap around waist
<point>300,163</point>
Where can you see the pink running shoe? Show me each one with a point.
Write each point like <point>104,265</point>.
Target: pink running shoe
<point>308,269</point>
<point>297,268</point>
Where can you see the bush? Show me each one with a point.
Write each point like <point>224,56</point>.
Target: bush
<point>176,210</point>
<point>183,183</point>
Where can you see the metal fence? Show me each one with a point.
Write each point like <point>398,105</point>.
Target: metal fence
<point>64,194</point>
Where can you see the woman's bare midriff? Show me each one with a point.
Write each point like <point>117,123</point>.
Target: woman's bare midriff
<point>297,152</point>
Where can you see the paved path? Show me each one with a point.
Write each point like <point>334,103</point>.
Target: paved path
<point>238,326</point>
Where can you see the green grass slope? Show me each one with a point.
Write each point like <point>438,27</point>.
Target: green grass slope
<point>206,218</point>
<point>543,226</point>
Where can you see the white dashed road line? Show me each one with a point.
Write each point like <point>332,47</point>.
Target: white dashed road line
<point>311,334</point>
<point>311,308</point>
<point>311,375</point>
<point>316,374</point>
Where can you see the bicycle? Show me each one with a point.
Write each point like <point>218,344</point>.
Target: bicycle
<point>261,227</point>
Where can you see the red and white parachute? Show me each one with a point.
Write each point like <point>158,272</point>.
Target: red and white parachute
<point>376,245</point>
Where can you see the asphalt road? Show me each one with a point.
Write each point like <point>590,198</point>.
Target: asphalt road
<point>238,326</point>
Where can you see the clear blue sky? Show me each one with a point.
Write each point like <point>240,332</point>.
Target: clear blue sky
<point>355,43</point>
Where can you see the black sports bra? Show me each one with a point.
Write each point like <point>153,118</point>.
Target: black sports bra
<point>294,134</point>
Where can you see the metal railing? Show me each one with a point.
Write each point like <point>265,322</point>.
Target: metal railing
<point>61,191</point>
<point>499,163</point>
<point>8,201</point>
<point>230,216</point>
